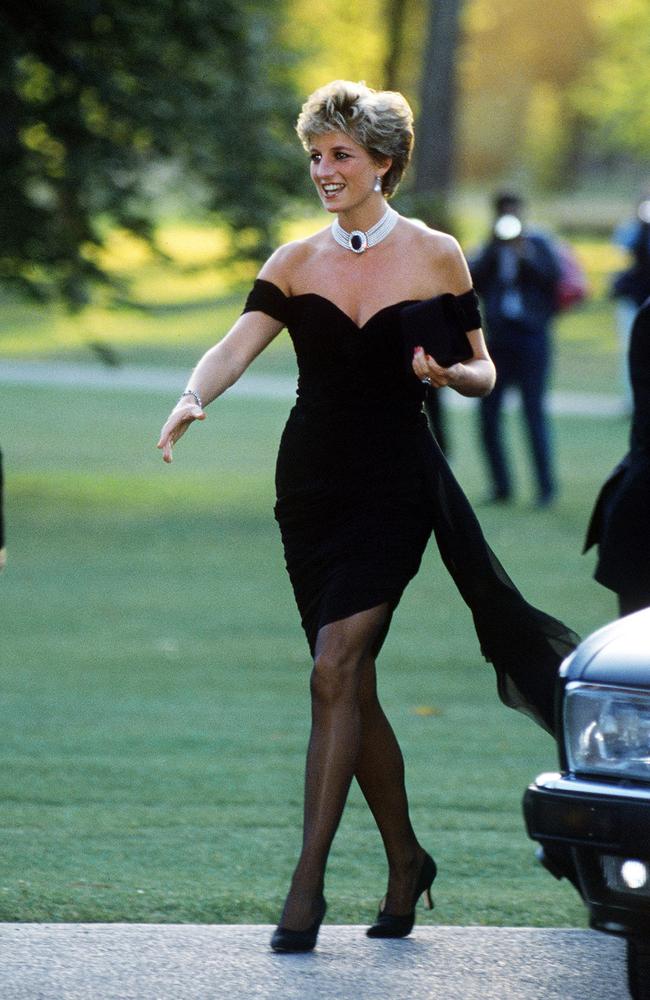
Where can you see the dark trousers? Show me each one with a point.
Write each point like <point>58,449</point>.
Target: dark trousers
<point>522,361</point>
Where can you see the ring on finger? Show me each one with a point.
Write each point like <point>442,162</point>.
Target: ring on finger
<point>426,380</point>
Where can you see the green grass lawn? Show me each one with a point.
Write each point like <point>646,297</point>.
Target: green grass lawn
<point>154,703</point>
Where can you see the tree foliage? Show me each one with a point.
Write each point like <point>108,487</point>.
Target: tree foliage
<point>516,66</point>
<point>99,95</point>
<point>615,88</point>
<point>519,65</point>
<point>340,41</point>
<point>102,98</point>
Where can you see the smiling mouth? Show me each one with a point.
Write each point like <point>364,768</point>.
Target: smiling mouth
<point>329,190</point>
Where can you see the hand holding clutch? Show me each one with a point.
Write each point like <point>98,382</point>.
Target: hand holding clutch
<point>440,326</point>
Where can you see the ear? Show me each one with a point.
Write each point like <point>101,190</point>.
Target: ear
<point>383,165</point>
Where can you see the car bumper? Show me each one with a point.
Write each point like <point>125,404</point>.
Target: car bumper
<point>589,813</point>
<point>591,830</point>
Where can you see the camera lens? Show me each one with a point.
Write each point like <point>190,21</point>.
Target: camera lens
<point>507,227</point>
<point>644,210</point>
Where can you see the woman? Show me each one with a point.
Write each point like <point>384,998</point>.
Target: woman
<point>360,482</point>
<point>620,523</point>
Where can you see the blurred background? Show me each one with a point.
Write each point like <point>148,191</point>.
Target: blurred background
<point>121,117</point>
<point>153,697</point>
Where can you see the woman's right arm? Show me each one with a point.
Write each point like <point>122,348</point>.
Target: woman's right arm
<point>218,369</point>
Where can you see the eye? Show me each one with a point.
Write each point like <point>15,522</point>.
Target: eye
<point>340,155</point>
<point>315,157</point>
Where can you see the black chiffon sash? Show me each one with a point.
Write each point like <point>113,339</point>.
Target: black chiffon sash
<point>525,645</point>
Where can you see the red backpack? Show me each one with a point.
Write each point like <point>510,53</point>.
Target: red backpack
<point>572,286</point>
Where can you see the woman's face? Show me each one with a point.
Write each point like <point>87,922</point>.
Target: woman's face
<point>343,171</point>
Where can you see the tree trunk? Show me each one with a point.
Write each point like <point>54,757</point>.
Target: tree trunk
<point>395,12</point>
<point>434,166</point>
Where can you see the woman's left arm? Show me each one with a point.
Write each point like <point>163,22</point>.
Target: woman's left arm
<point>475,377</point>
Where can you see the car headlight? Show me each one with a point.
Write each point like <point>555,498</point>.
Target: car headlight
<point>607,730</point>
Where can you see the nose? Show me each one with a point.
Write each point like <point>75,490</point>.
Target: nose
<point>323,167</point>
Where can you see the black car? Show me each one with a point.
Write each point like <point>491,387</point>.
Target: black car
<point>592,819</point>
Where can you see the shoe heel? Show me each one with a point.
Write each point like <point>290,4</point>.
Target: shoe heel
<point>427,878</point>
<point>389,925</point>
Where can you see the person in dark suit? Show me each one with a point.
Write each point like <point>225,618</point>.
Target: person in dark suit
<point>620,522</point>
<point>3,550</point>
<point>631,287</point>
<point>516,274</point>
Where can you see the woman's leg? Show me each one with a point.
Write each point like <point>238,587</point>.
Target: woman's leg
<point>380,775</point>
<point>342,651</point>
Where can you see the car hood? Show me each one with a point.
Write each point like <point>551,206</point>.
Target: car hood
<point>618,654</point>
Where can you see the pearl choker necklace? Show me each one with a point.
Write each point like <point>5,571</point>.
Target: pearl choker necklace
<point>357,241</point>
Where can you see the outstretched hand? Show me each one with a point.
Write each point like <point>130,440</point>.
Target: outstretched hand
<point>175,426</point>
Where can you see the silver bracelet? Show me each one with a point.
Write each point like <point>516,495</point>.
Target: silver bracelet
<point>193,392</point>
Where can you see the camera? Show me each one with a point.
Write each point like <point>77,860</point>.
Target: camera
<point>508,227</point>
<point>643,211</point>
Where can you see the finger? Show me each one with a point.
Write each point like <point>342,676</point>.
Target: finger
<point>432,364</point>
<point>418,363</point>
<point>165,446</point>
<point>175,427</point>
<point>436,372</point>
<point>428,370</point>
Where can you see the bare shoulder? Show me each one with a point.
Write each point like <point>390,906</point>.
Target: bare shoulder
<point>288,262</point>
<point>440,254</point>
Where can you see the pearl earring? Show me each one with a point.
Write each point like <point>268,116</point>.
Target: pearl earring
<point>377,185</point>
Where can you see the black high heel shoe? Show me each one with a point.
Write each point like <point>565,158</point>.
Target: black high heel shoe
<point>394,925</point>
<point>286,940</point>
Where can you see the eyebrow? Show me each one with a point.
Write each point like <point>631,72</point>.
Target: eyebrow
<point>347,149</point>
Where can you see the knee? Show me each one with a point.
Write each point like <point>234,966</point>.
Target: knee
<point>334,678</point>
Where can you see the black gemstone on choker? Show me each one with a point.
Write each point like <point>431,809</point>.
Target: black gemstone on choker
<point>357,241</point>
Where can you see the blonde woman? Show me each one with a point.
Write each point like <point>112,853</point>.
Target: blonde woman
<point>360,482</point>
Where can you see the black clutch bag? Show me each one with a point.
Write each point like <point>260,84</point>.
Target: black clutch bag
<point>440,326</point>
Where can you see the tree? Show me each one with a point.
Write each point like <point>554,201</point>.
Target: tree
<point>434,163</point>
<point>98,93</point>
<point>613,92</point>
<point>395,16</point>
<point>518,72</point>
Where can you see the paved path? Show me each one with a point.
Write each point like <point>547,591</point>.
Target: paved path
<point>202,962</point>
<point>168,381</point>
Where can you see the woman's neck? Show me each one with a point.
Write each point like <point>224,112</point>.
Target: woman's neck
<point>364,216</point>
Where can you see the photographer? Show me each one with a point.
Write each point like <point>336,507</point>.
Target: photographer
<point>3,550</point>
<point>516,274</point>
<point>631,287</point>
<point>619,523</point>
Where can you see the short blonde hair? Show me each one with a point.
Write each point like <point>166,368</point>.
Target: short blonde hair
<point>379,120</point>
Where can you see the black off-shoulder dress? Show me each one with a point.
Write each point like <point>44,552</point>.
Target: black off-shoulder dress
<point>361,484</point>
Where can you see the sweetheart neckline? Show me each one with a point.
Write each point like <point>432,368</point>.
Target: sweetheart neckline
<point>342,312</point>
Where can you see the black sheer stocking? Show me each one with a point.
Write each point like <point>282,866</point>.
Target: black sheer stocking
<point>380,775</point>
<point>350,736</point>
